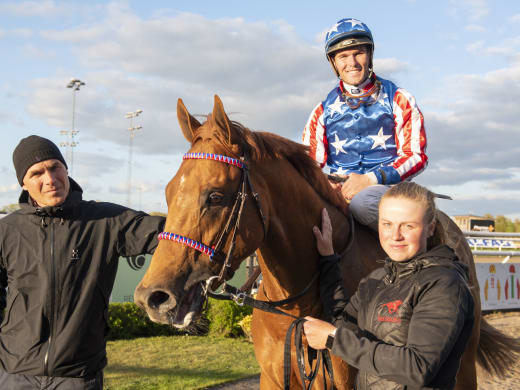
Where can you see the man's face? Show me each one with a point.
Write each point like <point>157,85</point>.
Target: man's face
<point>353,64</point>
<point>47,183</point>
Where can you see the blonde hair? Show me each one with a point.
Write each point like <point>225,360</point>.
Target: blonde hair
<point>415,192</point>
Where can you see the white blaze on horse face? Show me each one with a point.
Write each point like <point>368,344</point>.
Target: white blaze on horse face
<point>181,182</point>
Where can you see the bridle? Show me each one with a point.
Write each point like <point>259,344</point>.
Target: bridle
<point>217,255</point>
<point>232,225</point>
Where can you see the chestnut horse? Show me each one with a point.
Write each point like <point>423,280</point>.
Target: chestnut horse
<point>202,198</point>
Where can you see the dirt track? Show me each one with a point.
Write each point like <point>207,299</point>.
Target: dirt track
<point>508,323</point>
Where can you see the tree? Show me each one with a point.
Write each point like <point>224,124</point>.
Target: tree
<point>10,208</point>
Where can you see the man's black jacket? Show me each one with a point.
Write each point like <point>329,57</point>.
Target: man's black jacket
<point>408,323</point>
<point>60,264</point>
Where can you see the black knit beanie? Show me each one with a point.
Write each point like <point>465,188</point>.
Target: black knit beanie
<point>32,150</point>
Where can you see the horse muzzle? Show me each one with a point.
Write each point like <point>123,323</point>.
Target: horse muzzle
<point>164,306</point>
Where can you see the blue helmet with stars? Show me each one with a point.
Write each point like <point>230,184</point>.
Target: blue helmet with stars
<point>347,33</point>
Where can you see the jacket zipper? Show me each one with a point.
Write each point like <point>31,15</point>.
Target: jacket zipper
<point>51,314</point>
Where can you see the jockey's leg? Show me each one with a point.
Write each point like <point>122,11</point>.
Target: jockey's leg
<point>365,205</point>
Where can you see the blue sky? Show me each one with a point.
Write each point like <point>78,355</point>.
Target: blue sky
<point>460,59</point>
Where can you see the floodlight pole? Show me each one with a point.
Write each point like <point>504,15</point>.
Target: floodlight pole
<point>75,85</point>
<point>132,129</point>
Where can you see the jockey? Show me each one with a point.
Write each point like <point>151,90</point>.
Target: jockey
<point>367,129</point>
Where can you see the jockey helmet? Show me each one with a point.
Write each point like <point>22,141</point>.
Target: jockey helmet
<point>347,33</point>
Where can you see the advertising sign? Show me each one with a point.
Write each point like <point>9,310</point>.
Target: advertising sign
<point>482,225</point>
<point>490,243</point>
<point>499,285</point>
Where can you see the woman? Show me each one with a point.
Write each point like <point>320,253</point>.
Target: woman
<point>408,323</point>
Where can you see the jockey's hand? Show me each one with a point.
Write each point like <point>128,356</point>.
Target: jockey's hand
<point>356,183</point>
<point>324,236</point>
<point>317,331</point>
<point>337,184</point>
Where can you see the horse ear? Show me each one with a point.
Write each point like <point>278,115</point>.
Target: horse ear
<point>222,121</point>
<point>187,122</point>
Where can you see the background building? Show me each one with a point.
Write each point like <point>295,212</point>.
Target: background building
<point>474,222</point>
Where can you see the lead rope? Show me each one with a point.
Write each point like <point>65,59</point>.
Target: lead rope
<point>322,356</point>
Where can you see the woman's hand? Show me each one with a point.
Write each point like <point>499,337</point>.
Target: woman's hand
<point>324,237</point>
<point>317,332</point>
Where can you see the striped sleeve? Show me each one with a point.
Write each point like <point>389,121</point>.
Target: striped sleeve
<point>314,136</point>
<point>410,136</point>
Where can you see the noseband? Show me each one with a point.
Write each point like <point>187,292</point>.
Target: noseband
<point>232,225</point>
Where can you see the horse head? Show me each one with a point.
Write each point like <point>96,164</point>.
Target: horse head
<point>204,198</point>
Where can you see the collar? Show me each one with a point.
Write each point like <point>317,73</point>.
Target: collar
<point>28,206</point>
<point>358,89</point>
<point>441,255</point>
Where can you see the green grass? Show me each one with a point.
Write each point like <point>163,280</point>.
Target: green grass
<point>177,362</point>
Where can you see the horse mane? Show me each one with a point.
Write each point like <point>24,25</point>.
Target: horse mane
<point>265,145</point>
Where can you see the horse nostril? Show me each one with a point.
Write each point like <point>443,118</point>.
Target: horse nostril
<point>157,298</point>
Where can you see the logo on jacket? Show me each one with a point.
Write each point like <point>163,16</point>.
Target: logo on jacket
<point>75,255</point>
<point>136,262</point>
<point>391,308</point>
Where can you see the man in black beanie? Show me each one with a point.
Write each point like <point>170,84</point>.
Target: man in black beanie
<point>41,170</point>
<point>58,256</point>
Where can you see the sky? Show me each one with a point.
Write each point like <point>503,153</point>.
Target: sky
<point>460,59</point>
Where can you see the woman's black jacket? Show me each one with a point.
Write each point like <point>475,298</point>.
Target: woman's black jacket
<point>408,323</point>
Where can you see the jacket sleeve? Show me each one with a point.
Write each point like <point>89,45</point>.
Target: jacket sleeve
<point>340,310</point>
<point>315,136</point>
<point>444,308</point>
<point>410,140</point>
<point>138,233</point>
<point>3,286</point>
<point>3,291</point>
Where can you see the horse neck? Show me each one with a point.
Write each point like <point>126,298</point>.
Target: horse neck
<point>289,258</point>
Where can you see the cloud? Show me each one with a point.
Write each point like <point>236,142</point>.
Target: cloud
<point>36,52</point>
<point>514,18</point>
<point>269,79</point>
<point>472,134</point>
<point>475,28</point>
<point>44,8</point>
<point>261,70</point>
<point>508,49</point>
<point>480,205</point>
<point>388,66</point>
<point>10,189</point>
<point>474,9</point>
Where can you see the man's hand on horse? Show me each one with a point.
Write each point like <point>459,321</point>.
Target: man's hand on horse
<point>324,236</point>
<point>317,331</point>
<point>356,183</point>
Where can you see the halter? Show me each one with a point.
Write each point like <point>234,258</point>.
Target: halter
<point>233,222</point>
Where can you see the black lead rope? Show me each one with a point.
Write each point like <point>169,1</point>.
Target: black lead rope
<point>321,356</point>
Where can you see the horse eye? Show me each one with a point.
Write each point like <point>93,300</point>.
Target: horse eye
<point>215,198</point>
